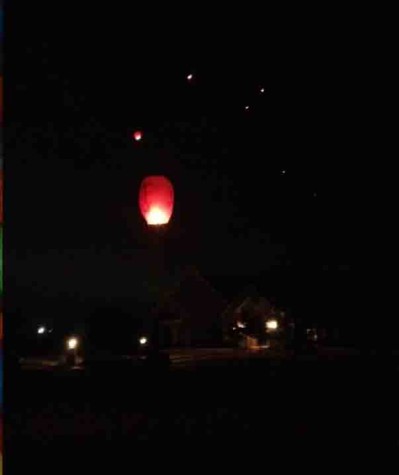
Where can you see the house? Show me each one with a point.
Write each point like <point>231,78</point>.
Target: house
<point>188,314</point>
<point>251,320</point>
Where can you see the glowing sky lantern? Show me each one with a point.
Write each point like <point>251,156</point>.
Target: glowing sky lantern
<point>138,135</point>
<point>156,198</point>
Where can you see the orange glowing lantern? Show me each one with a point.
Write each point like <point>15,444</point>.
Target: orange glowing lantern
<point>137,135</point>
<point>156,198</point>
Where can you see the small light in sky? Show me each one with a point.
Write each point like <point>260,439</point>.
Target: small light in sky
<point>246,108</point>
<point>138,135</point>
<point>41,330</point>
<point>262,90</point>
<point>189,77</point>
<point>283,172</point>
<point>314,195</point>
<point>143,340</point>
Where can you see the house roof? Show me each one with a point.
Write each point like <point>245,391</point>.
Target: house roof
<point>243,300</point>
<point>192,296</point>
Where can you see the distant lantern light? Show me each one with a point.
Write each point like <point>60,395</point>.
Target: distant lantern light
<point>283,172</point>
<point>143,340</point>
<point>262,90</point>
<point>247,108</point>
<point>41,330</point>
<point>156,199</point>
<point>137,135</point>
<point>189,77</point>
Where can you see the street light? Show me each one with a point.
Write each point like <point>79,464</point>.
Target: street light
<point>72,343</point>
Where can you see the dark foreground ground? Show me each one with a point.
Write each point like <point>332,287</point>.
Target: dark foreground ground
<point>238,412</point>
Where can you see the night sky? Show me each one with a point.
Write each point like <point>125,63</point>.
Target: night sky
<point>263,195</point>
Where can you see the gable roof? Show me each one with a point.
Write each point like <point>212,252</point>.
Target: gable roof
<point>192,296</point>
<point>249,298</point>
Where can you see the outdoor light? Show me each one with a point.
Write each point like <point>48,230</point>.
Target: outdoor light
<point>246,108</point>
<point>156,199</point>
<point>312,334</point>
<point>41,330</point>
<point>262,90</point>
<point>143,340</point>
<point>272,324</point>
<point>189,77</point>
<point>241,325</point>
<point>72,343</point>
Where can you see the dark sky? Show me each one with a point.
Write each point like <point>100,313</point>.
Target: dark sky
<point>80,82</point>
